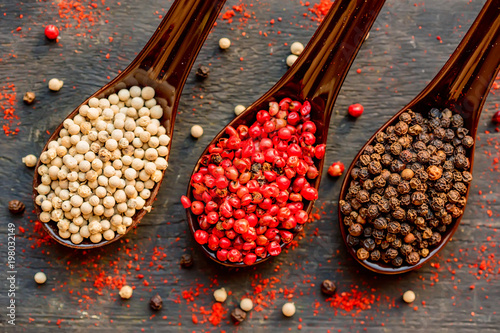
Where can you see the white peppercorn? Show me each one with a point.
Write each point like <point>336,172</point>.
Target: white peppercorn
<point>288,309</point>
<point>238,109</point>
<point>55,84</point>
<point>224,43</point>
<point>196,131</point>
<point>29,160</point>
<point>126,292</point>
<point>40,278</point>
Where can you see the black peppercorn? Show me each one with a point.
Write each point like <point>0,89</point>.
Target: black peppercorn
<point>16,206</point>
<point>406,249</point>
<point>467,176</point>
<point>375,255</point>
<point>379,148</point>
<point>460,187</point>
<point>413,258</point>
<point>462,132</point>
<point>375,167</point>
<point>365,159</point>
<point>364,173</point>
<point>186,260</point>
<point>363,196</point>
<point>362,254</point>
<point>367,232</point>
<point>403,187</point>
<point>405,200</point>
<point>397,262</point>
<point>396,148</point>
<point>156,302</point>
<point>391,253</point>
<point>356,229</point>
<point>368,185</point>
<point>380,137</point>
<point>328,287</point>
<point>468,141</point>
<point>238,315</point>
<point>373,211</point>
<point>202,72</point>
<point>379,181</point>
<point>352,241</point>
<point>368,244</point>
<point>399,213</point>
<point>378,234</point>
<point>383,206</point>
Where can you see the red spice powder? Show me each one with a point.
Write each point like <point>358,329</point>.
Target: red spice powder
<point>354,300</point>
<point>7,102</point>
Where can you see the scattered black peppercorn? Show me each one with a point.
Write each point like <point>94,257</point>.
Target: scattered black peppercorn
<point>186,261</point>
<point>328,287</point>
<point>238,315</point>
<point>16,207</point>
<point>202,72</point>
<point>408,185</point>
<point>29,97</point>
<point>156,302</point>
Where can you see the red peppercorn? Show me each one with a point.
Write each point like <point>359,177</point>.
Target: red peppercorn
<point>186,203</point>
<point>51,31</point>
<point>355,110</point>
<point>250,259</point>
<point>309,193</point>
<point>234,255</point>
<point>222,254</point>
<point>496,118</point>
<point>201,236</point>
<point>197,207</point>
<point>274,248</point>
<point>306,108</point>
<point>336,169</point>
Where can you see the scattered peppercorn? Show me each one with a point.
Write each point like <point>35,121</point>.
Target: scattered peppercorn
<point>336,169</point>
<point>328,287</point>
<point>186,260</point>
<point>408,188</point>
<point>156,303</point>
<point>288,309</point>
<point>196,131</point>
<point>126,292</point>
<point>355,110</point>
<point>224,43</point>
<point>55,84</point>
<point>238,315</point>
<point>29,97</point>
<point>202,72</point>
<point>51,32</point>
<point>297,48</point>
<point>409,296</point>
<point>40,278</point>
<point>16,206</point>
<point>238,109</point>
<point>246,304</point>
<point>290,60</point>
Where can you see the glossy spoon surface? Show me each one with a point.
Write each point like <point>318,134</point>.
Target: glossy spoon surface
<point>316,76</point>
<point>163,64</point>
<point>461,86</point>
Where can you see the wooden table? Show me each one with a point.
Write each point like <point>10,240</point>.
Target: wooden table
<point>407,46</point>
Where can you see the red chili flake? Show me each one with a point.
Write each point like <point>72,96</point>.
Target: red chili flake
<point>7,102</point>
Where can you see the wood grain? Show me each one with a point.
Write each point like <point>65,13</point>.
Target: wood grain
<point>399,58</point>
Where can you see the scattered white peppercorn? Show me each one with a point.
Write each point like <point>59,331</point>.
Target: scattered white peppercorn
<point>246,304</point>
<point>40,277</point>
<point>103,166</point>
<point>126,292</point>
<point>288,309</point>
<point>409,296</point>
<point>55,84</point>
<point>196,131</point>
<point>29,160</point>
<point>224,43</point>
<point>296,48</point>
<point>238,109</point>
<point>290,60</point>
<point>220,295</point>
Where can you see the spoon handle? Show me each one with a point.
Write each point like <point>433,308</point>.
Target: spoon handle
<point>320,70</point>
<point>465,80</point>
<point>172,49</point>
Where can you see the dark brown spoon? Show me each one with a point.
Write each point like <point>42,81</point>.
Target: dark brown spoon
<point>461,86</point>
<point>316,76</point>
<point>164,64</point>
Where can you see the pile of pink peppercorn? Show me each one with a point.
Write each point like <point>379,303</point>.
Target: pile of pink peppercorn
<point>251,187</point>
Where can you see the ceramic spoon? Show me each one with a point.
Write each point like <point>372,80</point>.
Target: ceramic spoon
<point>461,86</point>
<point>164,64</point>
<point>316,76</point>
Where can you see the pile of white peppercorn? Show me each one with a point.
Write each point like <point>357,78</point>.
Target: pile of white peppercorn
<point>100,171</point>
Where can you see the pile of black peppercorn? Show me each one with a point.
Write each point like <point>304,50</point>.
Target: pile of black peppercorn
<point>408,187</point>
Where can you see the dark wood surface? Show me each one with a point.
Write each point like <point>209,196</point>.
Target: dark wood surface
<point>457,291</point>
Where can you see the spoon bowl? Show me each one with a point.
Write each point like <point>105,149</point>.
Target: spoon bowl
<point>316,76</point>
<point>163,64</point>
<point>461,86</point>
